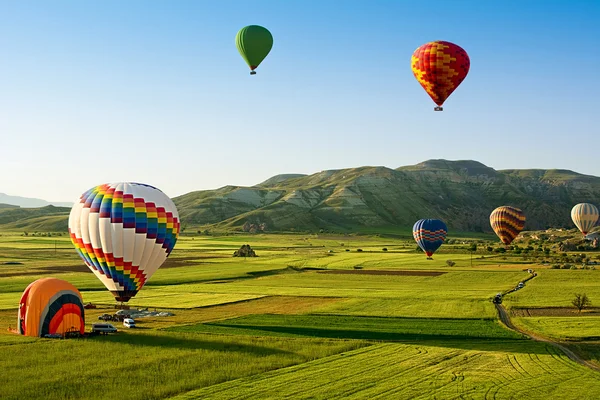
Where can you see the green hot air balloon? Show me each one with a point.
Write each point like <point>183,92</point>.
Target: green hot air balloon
<point>254,43</point>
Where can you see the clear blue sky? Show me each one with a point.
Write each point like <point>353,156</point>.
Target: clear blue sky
<point>156,92</point>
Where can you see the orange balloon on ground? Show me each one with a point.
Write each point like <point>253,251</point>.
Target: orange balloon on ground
<point>50,306</point>
<point>440,67</point>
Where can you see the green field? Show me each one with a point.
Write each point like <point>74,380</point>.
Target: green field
<point>281,325</point>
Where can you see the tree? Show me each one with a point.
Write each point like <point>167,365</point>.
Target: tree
<point>581,301</point>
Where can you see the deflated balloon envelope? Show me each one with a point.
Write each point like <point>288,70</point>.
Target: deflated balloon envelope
<point>124,232</point>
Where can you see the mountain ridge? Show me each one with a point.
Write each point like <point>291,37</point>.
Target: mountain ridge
<point>462,193</point>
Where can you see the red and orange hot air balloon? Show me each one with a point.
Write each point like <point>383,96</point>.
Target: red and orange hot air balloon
<point>440,67</point>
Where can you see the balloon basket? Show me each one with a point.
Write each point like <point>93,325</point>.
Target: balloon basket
<point>252,72</point>
<point>438,108</point>
<point>430,258</point>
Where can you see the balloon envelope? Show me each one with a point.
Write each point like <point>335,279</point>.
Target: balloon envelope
<point>254,43</point>
<point>440,67</point>
<point>50,306</point>
<point>124,232</point>
<point>584,216</point>
<point>507,222</point>
<point>429,234</point>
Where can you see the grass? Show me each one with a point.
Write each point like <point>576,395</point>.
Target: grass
<point>155,365</point>
<point>562,328</point>
<point>553,288</point>
<point>267,327</point>
<point>404,371</point>
<point>348,327</point>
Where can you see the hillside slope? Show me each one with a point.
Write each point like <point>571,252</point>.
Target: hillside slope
<point>462,193</point>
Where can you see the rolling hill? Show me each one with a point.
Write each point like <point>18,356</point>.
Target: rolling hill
<point>462,193</point>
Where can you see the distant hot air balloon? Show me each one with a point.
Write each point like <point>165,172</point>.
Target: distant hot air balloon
<point>50,306</point>
<point>254,43</point>
<point>440,67</point>
<point>429,235</point>
<point>585,216</point>
<point>124,232</point>
<point>507,222</point>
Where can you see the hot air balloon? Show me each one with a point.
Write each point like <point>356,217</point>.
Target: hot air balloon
<point>440,67</point>
<point>507,222</point>
<point>254,43</point>
<point>585,216</point>
<point>429,235</point>
<point>124,232</point>
<point>50,306</point>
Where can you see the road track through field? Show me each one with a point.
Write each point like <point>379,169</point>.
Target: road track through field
<point>505,318</point>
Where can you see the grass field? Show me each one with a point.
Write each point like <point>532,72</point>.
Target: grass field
<point>278,326</point>
<point>563,328</point>
<point>401,371</point>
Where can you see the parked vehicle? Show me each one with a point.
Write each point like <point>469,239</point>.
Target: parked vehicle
<point>89,305</point>
<point>128,323</point>
<point>105,317</point>
<point>104,329</point>
<point>521,285</point>
<point>497,299</point>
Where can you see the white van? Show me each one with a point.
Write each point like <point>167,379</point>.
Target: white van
<point>128,323</point>
<point>103,328</point>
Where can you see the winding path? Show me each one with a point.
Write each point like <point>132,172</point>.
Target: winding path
<point>505,318</point>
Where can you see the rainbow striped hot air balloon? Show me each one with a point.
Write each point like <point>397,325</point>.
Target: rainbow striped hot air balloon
<point>429,235</point>
<point>440,67</point>
<point>50,306</point>
<point>124,232</point>
<point>585,216</point>
<point>507,222</point>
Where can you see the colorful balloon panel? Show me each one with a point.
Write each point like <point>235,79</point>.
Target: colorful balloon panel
<point>507,222</point>
<point>254,43</point>
<point>584,216</point>
<point>429,234</point>
<point>440,67</point>
<point>50,306</point>
<point>124,232</point>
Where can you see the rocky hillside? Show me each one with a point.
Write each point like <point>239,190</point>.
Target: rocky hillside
<point>462,193</point>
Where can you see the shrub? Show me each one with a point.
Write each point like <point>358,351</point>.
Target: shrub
<point>566,266</point>
<point>384,249</point>
<point>347,249</point>
<point>358,267</point>
<point>573,267</point>
<point>555,266</point>
<point>359,250</point>
<point>450,263</point>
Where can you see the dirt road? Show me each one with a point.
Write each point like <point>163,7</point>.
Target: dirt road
<point>505,318</point>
